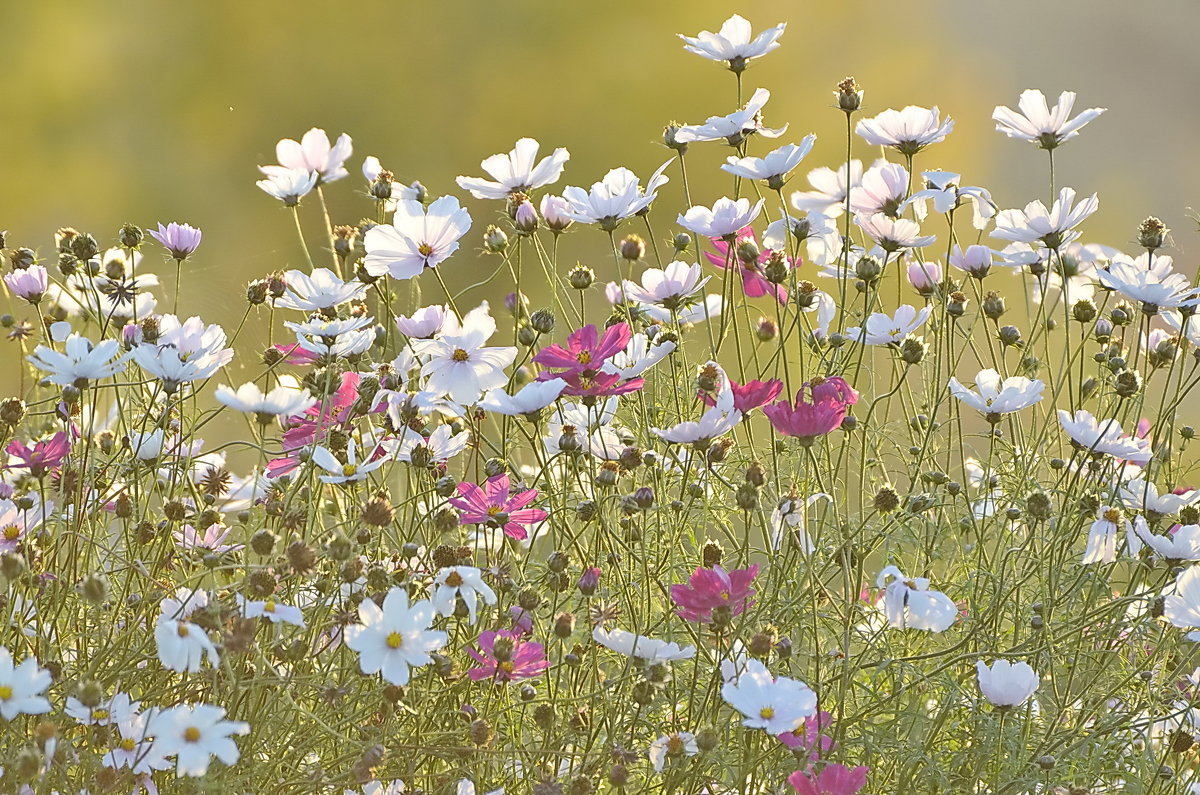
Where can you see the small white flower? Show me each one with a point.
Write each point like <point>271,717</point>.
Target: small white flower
<point>671,287</point>
<point>735,43</point>
<point>1044,126</point>
<point>882,329</point>
<point>725,218</point>
<point>649,649</point>
<point>942,188</point>
<point>671,746</point>
<point>455,581</point>
<point>617,197</point>
<point>394,638</point>
<point>182,645</point>
<point>1140,494</point>
<point>1102,536</point>
<point>271,610</point>
<point>907,131</point>
<point>772,168</point>
<point>638,357</point>
<point>996,396</point>
<point>529,399</point>
<point>80,362</point>
<point>517,171</point>
<point>349,472</point>
<point>1181,543</point>
<point>1005,684</point>
<point>416,239</point>
<point>1154,285</point>
<point>282,401</point>
<point>438,448</point>
<point>313,152</point>
<point>459,365</point>
<point>829,196</point>
<point>118,709</point>
<point>21,687</point>
<point>893,234</point>
<point>322,289</point>
<point>1105,437</point>
<point>733,128</point>
<point>910,604</point>
<point>776,705</point>
<point>289,185</point>
<point>195,734</point>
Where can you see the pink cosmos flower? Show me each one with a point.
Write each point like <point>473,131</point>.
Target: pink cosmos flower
<point>834,779</point>
<point>294,354</point>
<point>30,283</point>
<point>314,425</point>
<point>506,657</point>
<point>810,738</point>
<point>597,385</point>
<point>833,387</point>
<point>522,620</point>
<point>493,506</point>
<point>585,353</point>
<point>589,581</point>
<point>180,240</point>
<point>754,283</point>
<point>709,589</point>
<point>45,456</point>
<point>819,408</point>
<point>750,395</point>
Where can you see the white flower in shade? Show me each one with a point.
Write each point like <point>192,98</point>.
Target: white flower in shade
<point>651,650</point>
<point>910,604</point>
<point>350,471</point>
<point>996,395</point>
<point>772,168</point>
<point>289,185</point>
<point>882,329</point>
<point>456,363</point>
<point>1180,543</point>
<point>118,709</point>
<point>1154,285</point>
<point>732,128</point>
<point>394,638</point>
<point>776,705</point>
<point>942,188</point>
<point>1047,127</point>
<point>829,196</point>
<point>424,323</point>
<point>907,131</point>
<point>271,610</point>
<point>517,171</point>
<point>617,197</point>
<point>195,734</point>
<point>1005,684</point>
<point>282,401</point>
<point>1105,436</point>
<point>80,362</point>
<point>974,261</point>
<point>790,518</point>
<point>893,234</point>
<point>671,287</point>
<point>185,602</point>
<point>735,43</point>
<point>529,399</point>
<point>313,152</point>
<point>416,239</point>
<point>1185,326</point>
<point>638,357</point>
<point>455,581</point>
<point>135,748</point>
<point>21,687</point>
<point>467,787</point>
<point>671,746</point>
<point>182,645</point>
<point>1140,494</point>
<point>1052,227</point>
<point>715,422</point>
<point>438,448</point>
<point>1181,602</point>
<point>708,309</point>
<point>725,218</point>
<point>882,190</point>
<point>322,289</point>
<point>1102,539</point>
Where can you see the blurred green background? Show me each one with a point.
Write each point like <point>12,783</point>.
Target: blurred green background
<point>133,110</point>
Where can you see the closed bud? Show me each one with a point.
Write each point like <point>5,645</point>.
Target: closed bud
<point>1128,383</point>
<point>1151,233</point>
<point>13,565</point>
<point>868,269</point>
<point>94,588</point>
<point>913,350</point>
<point>776,269</point>
<point>956,304</point>
<point>525,218</point>
<point>564,625</point>
<point>1046,762</point>
<point>12,411</point>
<point>581,277</point>
<point>632,248</point>
<point>669,133</point>
<point>1009,336</point>
<point>1084,311</point>
<point>681,242</point>
<point>993,305</point>
<point>748,251</point>
<point>494,239</point>
<point>587,510</point>
<point>84,247</point>
<point>542,321</point>
<point>558,561</point>
<point>480,732</point>
<point>1120,316</point>
<point>1103,330</point>
<point>301,556</point>
<point>618,775</point>
<point>711,554</point>
<point>529,599</point>
<point>766,329</point>
<point>746,497</point>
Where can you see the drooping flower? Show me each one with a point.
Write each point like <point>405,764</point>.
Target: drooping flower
<point>1006,684</point>
<point>426,451</point>
<point>314,153</point>
<point>750,395</point>
<point>641,647</point>
<point>910,604</point>
<point>518,171</point>
<point>416,239</point>
<point>1155,285</point>
<point>289,185</point>
<point>1102,536</point>
<point>494,505</point>
<point>998,396</point>
<point>1039,124</point>
<point>1140,494</point>
<point>193,735</point>
<point>30,283</point>
<point>735,44</point>
<point>1182,542</point>
<point>907,131</point>
<point>834,779</point>
<point>180,240</point>
<point>505,656</point>
<point>734,128</point>
<point>395,638</point>
<point>528,401</point>
<point>714,589</point>
<point>453,582</point>
<point>211,540</point>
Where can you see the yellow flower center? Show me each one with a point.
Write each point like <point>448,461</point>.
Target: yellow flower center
<point>584,357</point>
<point>99,713</point>
<point>1112,515</point>
<point>349,470</point>
<point>506,666</point>
<point>269,606</point>
<point>425,249</point>
<point>766,713</point>
<point>395,640</point>
<point>128,744</point>
<point>5,692</point>
<point>12,532</point>
<point>182,630</point>
<point>454,579</point>
<point>460,355</point>
<point>493,510</point>
<point>725,596</point>
<point>191,734</point>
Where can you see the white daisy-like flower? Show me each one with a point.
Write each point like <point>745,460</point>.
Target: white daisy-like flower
<point>883,329</point>
<point>1140,494</point>
<point>195,734</point>
<point>909,603</point>
<point>671,746</point>
<point>776,705</point>
<point>322,289</point>
<point>907,131</point>
<point>350,471</point>
<point>649,649</point>
<point>289,185</point>
<point>670,287</point>
<point>997,395</point>
<point>943,189</point>
<point>882,190</point>
<point>734,128</point>
<point>735,44</point>
<point>282,401</point>
<point>425,322</point>
<point>437,448</point>
<point>416,239</point>
<point>458,364</point>
<point>271,610</point>
<point>1181,543</point>
<point>453,582</point>
<point>21,687</point>
<point>1105,436</point>
<point>893,234</point>
<point>182,645</point>
<point>1006,684</point>
<point>394,638</point>
<point>1053,227</point>
<point>617,197</point>
<point>80,362</point>
<point>830,188</point>
<point>313,152</point>
<point>1155,285</point>
<point>1181,602</point>
<point>528,400</point>
<point>517,171</point>
<point>1102,541</point>
<point>1047,127</point>
<point>726,217</point>
<point>639,356</point>
<point>772,168</point>
<point>116,710</point>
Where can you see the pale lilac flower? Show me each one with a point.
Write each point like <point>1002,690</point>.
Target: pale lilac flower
<point>670,287</point>
<point>1006,685</point>
<point>418,238</point>
<point>907,131</point>
<point>289,185</point>
<point>1039,124</point>
<point>193,735</point>
<point>893,234</point>
<point>772,168</point>
<point>1052,227</point>
<point>180,240</point>
<point>517,171</point>
<point>212,539</point>
<point>394,638</point>
<point>313,152</point>
<point>734,128</point>
<point>555,212</point>
<point>735,44</point>
<point>322,289</point>
<point>29,284</point>
<point>975,261</point>
<point>424,323</point>
<point>925,277</point>
<point>882,190</point>
<point>725,219</point>
<point>829,196</point>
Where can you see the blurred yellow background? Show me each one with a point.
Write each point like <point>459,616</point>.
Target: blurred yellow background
<point>132,110</point>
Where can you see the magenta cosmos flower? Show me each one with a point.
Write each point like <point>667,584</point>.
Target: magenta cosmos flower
<point>819,408</point>
<point>45,456</point>
<point>750,395</point>
<point>754,283</point>
<point>710,589</point>
<point>834,779</point>
<point>492,505</point>
<point>585,353</point>
<point>506,657</point>
<point>314,424</point>
<point>180,240</point>
<point>810,738</point>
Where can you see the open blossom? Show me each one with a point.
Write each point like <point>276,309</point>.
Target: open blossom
<point>29,284</point>
<point>1103,436</point>
<point>671,746</point>
<point>416,239</point>
<point>1182,542</point>
<point>517,171</point>
<point>80,362</point>
<point>282,401</point>
<point>750,395</point>
<point>882,190</point>
<point>45,456</point>
<point>639,356</point>
<point>271,610</point>
<point>465,582</point>
<point>213,539</point>
<point>394,638</point>
<point>180,240</point>
<point>427,451</point>
<point>16,523</point>
<point>672,287</point>
<point>528,401</point>
<point>458,363</point>
<point>322,289</point>
<point>1102,536</point>
<point>586,351</point>
<point>1154,284</point>
<point>774,704</point>
<point>893,234</point>
<point>641,647</point>
<point>942,188</point>
<point>725,219</point>
<point>750,261</point>
<point>911,604</point>
<point>774,166</point>
<point>1052,227</point>
<point>182,645</point>
<point>907,131</point>
<point>1006,684</point>
<point>1140,494</point>
<point>289,185</point>
<point>714,589</point>
<point>494,505</point>
<point>996,396</point>
<point>193,735</point>
<point>819,408</point>
<point>617,197</point>
<point>314,153</point>
<point>733,128</point>
<point>1047,127</point>
<point>834,779</point>
<point>735,44</point>
<point>831,187</point>
<point>882,329</point>
<point>21,687</point>
<point>506,656</point>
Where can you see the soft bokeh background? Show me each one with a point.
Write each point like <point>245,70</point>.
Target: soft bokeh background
<point>135,110</point>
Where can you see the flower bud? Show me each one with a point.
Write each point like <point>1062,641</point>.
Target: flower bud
<point>776,269</point>
<point>849,96</point>
<point>913,350</point>
<point>681,242</point>
<point>925,277</point>
<point>766,329</point>
<point>868,269</point>
<point>993,305</point>
<point>1151,233</point>
<point>494,239</point>
<point>632,248</point>
<point>1009,336</point>
<point>711,554</point>
<point>581,277</point>
<point>130,236</point>
<point>564,625</point>
<point>669,133</point>
<point>525,218</point>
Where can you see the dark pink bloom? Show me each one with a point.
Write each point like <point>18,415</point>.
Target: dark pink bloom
<point>45,456</point>
<point>585,353</point>
<point>810,737</point>
<point>832,388</point>
<point>754,283</point>
<point>294,354</point>
<point>314,425</point>
<point>589,581</point>
<point>750,395</point>
<point>819,408</point>
<point>834,779</point>
<point>493,506</point>
<point>506,657</point>
<point>597,385</point>
<point>709,589</point>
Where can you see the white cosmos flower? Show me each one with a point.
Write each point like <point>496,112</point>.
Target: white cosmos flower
<point>452,582</point>
<point>651,650</point>
<point>708,309</point>
<point>313,152</point>
<point>882,190</point>
<point>438,448</point>
<point>456,363</point>
<point>425,322</point>
<point>907,131</point>
<point>725,218</point>
<point>352,470</point>
<point>735,127</point>
<point>394,638</point>
<point>617,197</point>
<point>193,735</point>
<point>182,645</point>
<point>21,687</point>
<point>322,289</point>
<point>1105,437</point>
<point>1154,285</point>
<point>271,610</point>
<point>638,357</point>
<point>996,395</point>
<point>1102,539</point>
<point>1185,326</point>
<point>1052,227</point>
<point>776,705</point>
<point>671,746</point>
<point>1181,543</point>
<point>893,234</point>
<point>1181,602</point>
<point>942,188</point>
<point>882,329</point>
<point>519,170</point>
<point>772,168</point>
<point>1044,126</point>
<point>974,261</point>
<point>1006,684</point>
<point>418,238</point>
<point>672,286</point>
<point>282,401</point>
<point>791,516</point>
<point>1140,494</point>
<point>829,196</point>
<point>909,603</point>
<point>289,185</point>
<point>529,400</point>
<point>80,361</point>
<point>715,422</point>
<point>735,43</point>
<point>118,709</point>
